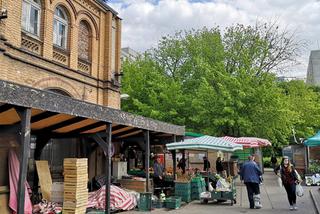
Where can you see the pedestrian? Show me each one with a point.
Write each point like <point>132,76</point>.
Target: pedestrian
<point>250,173</point>
<point>290,178</point>
<point>182,165</point>
<point>206,164</point>
<point>158,171</point>
<point>274,162</point>
<point>219,166</point>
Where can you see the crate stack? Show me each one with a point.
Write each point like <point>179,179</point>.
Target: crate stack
<point>75,185</point>
<point>183,190</point>
<point>196,188</point>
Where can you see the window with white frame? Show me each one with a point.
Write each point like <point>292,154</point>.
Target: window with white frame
<point>60,28</point>
<point>31,16</point>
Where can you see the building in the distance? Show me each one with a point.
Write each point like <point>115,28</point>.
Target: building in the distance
<point>128,54</point>
<point>69,47</point>
<point>313,73</point>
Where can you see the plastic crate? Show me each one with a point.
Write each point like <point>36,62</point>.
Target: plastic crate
<point>158,204</point>
<point>182,186</point>
<point>195,196</point>
<point>215,195</point>
<point>145,201</point>
<point>173,202</point>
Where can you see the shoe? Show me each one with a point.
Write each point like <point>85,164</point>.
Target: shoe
<point>291,207</point>
<point>295,207</point>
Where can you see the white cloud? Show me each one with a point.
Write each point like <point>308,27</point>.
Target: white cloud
<point>146,21</point>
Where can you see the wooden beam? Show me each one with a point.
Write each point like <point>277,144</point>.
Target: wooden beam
<point>125,132</point>
<point>88,127</point>
<point>147,157</point>
<point>42,116</point>
<point>25,115</point>
<point>61,125</point>
<point>5,107</point>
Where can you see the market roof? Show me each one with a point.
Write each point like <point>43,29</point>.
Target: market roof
<point>313,141</point>
<point>205,143</point>
<point>60,115</point>
<point>193,134</point>
<point>248,142</point>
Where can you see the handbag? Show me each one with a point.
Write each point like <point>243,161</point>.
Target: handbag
<point>299,190</point>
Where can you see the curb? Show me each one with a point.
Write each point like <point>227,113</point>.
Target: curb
<point>315,202</point>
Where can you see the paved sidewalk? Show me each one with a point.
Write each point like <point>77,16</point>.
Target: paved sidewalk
<point>274,200</point>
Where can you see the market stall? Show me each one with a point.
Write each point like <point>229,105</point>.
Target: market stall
<point>251,142</point>
<point>206,143</point>
<point>312,145</point>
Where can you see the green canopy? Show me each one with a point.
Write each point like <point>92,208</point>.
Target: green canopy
<point>313,141</point>
<point>205,143</point>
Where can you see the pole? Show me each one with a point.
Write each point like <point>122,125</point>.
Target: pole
<point>25,116</point>
<point>208,169</point>
<point>108,167</point>
<point>174,157</point>
<point>147,157</point>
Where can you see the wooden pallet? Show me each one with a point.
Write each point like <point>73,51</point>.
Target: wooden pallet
<point>75,185</point>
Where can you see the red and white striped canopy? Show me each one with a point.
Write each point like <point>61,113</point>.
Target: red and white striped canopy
<point>248,142</point>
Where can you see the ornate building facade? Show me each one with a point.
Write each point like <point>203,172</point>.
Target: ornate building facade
<point>71,47</point>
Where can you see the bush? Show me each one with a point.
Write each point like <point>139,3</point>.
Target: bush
<point>266,162</point>
<point>314,168</point>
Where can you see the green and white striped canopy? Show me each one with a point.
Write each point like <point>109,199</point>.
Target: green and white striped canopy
<point>205,143</point>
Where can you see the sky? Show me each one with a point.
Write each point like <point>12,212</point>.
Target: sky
<point>146,21</point>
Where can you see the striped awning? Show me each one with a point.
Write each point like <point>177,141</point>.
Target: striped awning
<point>205,143</point>
<point>248,142</point>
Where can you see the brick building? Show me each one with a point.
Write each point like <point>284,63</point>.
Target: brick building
<point>69,47</point>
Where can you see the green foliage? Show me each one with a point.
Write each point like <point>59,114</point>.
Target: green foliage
<point>314,168</point>
<point>223,84</point>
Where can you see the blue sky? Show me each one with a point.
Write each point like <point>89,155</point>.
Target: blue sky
<point>146,21</point>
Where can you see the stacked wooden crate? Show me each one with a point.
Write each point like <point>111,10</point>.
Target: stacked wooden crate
<point>75,185</point>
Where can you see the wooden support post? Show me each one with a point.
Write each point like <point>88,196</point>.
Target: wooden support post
<point>108,166</point>
<point>174,158</point>
<point>147,157</point>
<point>25,115</point>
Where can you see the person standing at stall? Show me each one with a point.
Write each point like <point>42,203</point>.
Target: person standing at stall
<point>158,171</point>
<point>290,179</point>
<point>250,173</point>
<point>206,164</point>
<point>219,166</point>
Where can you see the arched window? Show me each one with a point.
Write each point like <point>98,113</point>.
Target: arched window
<point>60,28</point>
<point>84,41</point>
<point>31,16</point>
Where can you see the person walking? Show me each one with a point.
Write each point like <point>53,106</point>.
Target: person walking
<point>274,162</point>
<point>219,166</point>
<point>290,178</point>
<point>250,173</point>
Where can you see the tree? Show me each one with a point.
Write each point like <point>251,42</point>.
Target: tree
<point>216,84</point>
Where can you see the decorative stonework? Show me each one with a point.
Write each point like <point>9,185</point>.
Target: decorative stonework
<point>84,66</point>
<point>89,6</point>
<point>60,57</point>
<point>31,45</point>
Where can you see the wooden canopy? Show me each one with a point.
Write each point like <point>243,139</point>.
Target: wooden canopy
<point>60,116</point>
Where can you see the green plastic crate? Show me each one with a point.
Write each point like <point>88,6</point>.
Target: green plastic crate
<point>215,195</point>
<point>145,201</point>
<point>173,202</point>
<point>182,186</point>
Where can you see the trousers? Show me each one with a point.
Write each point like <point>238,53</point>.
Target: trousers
<point>252,189</point>
<point>291,193</point>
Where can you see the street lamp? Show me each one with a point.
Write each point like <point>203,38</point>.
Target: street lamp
<point>124,96</point>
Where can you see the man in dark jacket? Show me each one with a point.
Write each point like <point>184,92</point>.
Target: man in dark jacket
<point>250,173</point>
<point>206,164</point>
